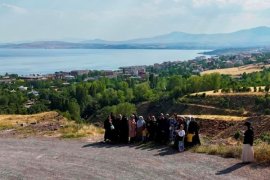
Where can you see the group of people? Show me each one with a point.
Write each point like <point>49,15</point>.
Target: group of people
<point>180,131</point>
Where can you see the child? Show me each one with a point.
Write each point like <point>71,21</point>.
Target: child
<point>144,135</point>
<point>181,134</point>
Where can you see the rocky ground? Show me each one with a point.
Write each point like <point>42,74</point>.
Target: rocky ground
<point>51,158</point>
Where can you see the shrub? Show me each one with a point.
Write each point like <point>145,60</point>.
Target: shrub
<point>216,149</point>
<point>267,111</point>
<point>225,90</point>
<point>241,110</point>
<point>267,87</point>
<point>237,135</point>
<point>224,102</point>
<point>265,137</point>
<point>260,100</point>
<point>262,151</point>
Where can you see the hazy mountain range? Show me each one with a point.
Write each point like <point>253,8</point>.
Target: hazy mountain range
<point>255,37</point>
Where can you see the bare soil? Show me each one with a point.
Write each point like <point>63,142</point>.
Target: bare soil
<point>51,158</point>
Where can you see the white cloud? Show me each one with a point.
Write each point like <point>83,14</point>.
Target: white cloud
<point>112,19</point>
<point>14,8</point>
<point>256,5</point>
<point>250,5</point>
<point>157,1</point>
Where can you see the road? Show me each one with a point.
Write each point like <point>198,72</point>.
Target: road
<point>51,158</point>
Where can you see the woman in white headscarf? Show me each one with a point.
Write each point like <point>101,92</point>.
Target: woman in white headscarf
<point>140,128</point>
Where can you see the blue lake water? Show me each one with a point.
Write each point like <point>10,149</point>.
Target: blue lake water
<point>44,61</point>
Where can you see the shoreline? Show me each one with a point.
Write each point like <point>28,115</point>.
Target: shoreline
<point>57,60</point>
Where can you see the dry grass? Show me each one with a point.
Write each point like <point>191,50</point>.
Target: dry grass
<point>73,130</point>
<point>219,93</point>
<point>5,126</point>
<point>43,123</point>
<point>218,149</point>
<point>236,71</point>
<point>220,117</point>
<point>14,120</point>
<point>261,151</point>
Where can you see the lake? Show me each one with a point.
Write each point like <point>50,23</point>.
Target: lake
<point>44,61</point>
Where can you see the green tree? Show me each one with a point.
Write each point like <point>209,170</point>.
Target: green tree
<point>74,110</point>
<point>175,82</point>
<point>143,92</point>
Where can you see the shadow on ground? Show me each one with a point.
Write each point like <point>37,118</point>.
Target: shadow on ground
<point>231,168</point>
<point>241,165</point>
<point>162,150</point>
<point>165,150</point>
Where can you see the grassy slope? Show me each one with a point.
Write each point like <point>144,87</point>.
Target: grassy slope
<point>218,124</point>
<point>45,124</point>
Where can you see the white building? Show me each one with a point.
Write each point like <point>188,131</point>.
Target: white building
<point>23,88</point>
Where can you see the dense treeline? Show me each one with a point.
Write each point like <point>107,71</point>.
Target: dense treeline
<point>90,100</point>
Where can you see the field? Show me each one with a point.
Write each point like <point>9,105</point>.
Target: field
<point>220,117</point>
<point>236,71</point>
<point>220,93</point>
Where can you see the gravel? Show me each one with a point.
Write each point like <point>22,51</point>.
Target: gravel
<point>51,158</point>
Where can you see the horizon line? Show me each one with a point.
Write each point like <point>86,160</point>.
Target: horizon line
<point>80,40</point>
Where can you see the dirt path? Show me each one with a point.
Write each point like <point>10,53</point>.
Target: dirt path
<point>34,158</point>
<point>229,111</point>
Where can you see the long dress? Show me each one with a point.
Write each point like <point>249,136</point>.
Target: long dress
<point>192,137</point>
<point>140,128</point>
<point>108,130</point>
<point>152,130</point>
<point>181,146</point>
<point>248,152</point>
<point>132,128</point>
<point>124,133</point>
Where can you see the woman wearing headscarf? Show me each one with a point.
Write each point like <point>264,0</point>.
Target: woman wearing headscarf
<point>248,152</point>
<point>193,128</point>
<point>124,132</point>
<point>173,127</point>
<point>132,128</point>
<point>152,128</point>
<point>162,129</point>
<point>140,128</point>
<point>117,125</point>
<point>108,126</point>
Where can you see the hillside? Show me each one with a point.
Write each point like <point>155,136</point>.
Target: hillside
<point>218,116</point>
<point>50,124</point>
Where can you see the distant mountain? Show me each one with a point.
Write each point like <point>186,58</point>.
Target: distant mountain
<point>255,37</point>
<point>250,37</point>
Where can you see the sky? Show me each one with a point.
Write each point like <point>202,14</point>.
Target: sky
<point>76,20</point>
